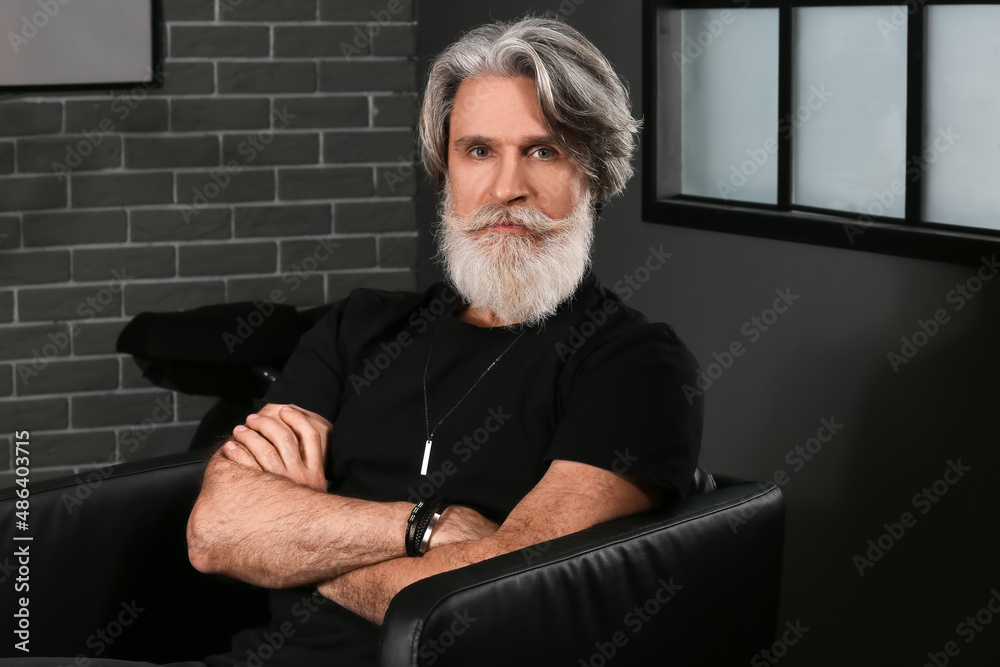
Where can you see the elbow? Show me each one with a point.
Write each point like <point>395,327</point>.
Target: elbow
<point>199,547</point>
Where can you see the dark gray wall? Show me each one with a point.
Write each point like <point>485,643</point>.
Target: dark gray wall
<point>825,358</point>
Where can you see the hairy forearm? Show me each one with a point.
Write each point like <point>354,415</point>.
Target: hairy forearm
<point>269,531</point>
<point>571,497</point>
<point>367,591</point>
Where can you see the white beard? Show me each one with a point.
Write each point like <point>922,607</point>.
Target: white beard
<point>519,276</point>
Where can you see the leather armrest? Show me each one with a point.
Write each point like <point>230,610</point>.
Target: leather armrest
<point>695,583</point>
<point>111,542</point>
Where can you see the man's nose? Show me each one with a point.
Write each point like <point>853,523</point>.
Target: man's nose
<point>510,184</point>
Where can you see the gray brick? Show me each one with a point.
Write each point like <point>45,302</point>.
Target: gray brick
<point>282,149</point>
<point>96,337</point>
<point>24,118</point>
<point>317,41</point>
<point>75,228</point>
<point>122,114</point>
<point>53,377</point>
<point>394,111</point>
<point>324,183</point>
<point>10,233</point>
<point>6,157</point>
<point>395,40</point>
<point>68,303</point>
<point>269,10</point>
<point>32,268</point>
<point>132,377</point>
<point>187,78</point>
<point>327,254</point>
<point>380,11</point>
<point>377,146</point>
<point>188,10</point>
<point>125,408</point>
<point>339,285</point>
<point>397,181</point>
<point>254,221</point>
<point>32,193</point>
<point>69,154</point>
<point>136,443</point>
<point>397,252</point>
<point>219,41</point>
<point>82,447</point>
<point>7,383</point>
<point>30,342</point>
<point>263,78</point>
<point>322,112</point>
<point>122,189</point>
<point>6,306</point>
<point>367,75</point>
<point>165,297</point>
<point>34,414</point>
<point>169,152</point>
<point>170,225</point>
<point>205,115</point>
<point>218,259</point>
<point>296,289</point>
<point>130,262</point>
<point>376,216</point>
<point>197,187</point>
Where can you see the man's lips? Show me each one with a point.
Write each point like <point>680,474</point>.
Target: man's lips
<point>508,225</point>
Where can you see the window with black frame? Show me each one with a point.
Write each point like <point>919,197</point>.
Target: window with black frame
<point>853,124</point>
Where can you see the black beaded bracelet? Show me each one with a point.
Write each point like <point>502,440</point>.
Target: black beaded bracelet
<point>421,523</point>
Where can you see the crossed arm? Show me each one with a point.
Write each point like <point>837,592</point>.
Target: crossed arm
<point>264,517</point>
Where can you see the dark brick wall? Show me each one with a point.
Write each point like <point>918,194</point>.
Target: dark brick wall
<point>273,126</point>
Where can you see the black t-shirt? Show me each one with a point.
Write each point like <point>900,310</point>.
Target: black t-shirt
<point>596,383</point>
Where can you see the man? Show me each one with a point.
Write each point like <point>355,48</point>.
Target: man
<point>513,391</point>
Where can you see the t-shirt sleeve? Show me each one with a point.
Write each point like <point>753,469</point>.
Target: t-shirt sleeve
<point>313,376</point>
<point>625,409</point>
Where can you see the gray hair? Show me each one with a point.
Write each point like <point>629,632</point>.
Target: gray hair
<point>581,97</point>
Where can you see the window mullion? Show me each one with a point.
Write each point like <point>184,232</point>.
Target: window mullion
<point>915,101</point>
<point>785,92</point>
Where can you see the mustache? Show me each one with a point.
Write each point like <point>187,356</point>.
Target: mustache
<point>490,215</point>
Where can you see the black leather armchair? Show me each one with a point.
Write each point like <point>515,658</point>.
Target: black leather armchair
<point>695,583</point>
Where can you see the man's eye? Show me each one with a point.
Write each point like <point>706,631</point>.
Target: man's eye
<point>545,153</point>
<point>479,151</point>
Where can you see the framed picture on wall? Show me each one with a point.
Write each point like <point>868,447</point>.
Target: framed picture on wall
<point>69,43</point>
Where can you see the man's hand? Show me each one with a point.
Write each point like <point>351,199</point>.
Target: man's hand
<point>461,524</point>
<point>284,441</point>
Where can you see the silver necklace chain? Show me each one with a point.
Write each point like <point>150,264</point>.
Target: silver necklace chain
<point>427,422</point>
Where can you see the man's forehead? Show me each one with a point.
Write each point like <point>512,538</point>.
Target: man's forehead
<point>499,109</point>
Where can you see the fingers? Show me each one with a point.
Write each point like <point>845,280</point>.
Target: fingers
<point>238,454</point>
<point>312,444</point>
<point>261,448</point>
<point>270,437</point>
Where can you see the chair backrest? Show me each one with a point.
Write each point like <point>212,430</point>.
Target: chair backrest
<point>703,482</point>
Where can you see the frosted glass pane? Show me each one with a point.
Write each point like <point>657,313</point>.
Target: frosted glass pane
<point>849,107</point>
<point>729,92</point>
<point>962,143</point>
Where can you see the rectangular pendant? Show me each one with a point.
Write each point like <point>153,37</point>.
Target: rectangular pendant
<point>427,457</point>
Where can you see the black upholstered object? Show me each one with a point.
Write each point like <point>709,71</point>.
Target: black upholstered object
<point>718,553</point>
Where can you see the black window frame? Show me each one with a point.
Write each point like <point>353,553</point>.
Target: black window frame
<point>910,236</point>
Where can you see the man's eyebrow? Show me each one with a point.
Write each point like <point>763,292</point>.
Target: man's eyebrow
<point>472,140</point>
<point>479,140</point>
